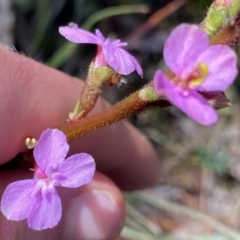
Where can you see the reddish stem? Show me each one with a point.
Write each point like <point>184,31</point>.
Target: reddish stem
<point>124,109</point>
<point>116,113</point>
<point>229,35</point>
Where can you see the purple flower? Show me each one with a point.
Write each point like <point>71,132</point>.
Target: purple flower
<point>198,66</point>
<point>109,52</point>
<point>37,199</point>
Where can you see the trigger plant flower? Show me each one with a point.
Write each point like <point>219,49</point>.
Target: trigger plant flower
<point>109,52</point>
<point>37,199</point>
<point>197,67</point>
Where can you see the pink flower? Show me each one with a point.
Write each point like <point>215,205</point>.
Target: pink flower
<point>37,199</point>
<point>109,52</point>
<point>198,67</point>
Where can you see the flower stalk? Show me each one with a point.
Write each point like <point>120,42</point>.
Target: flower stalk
<point>90,91</point>
<point>228,35</point>
<point>131,105</point>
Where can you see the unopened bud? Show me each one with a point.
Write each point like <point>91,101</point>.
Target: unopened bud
<point>234,9</point>
<point>232,6</point>
<point>219,14</point>
<point>215,19</point>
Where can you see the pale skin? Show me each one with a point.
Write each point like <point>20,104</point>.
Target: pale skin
<point>34,97</point>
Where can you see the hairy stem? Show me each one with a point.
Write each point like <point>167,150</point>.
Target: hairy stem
<point>124,109</point>
<point>127,107</point>
<point>229,35</point>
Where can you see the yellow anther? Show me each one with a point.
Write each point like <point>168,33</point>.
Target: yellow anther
<point>196,82</point>
<point>199,75</point>
<point>203,69</point>
<point>30,143</point>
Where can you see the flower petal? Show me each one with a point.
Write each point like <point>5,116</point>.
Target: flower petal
<point>18,199</point>
<point>221,61</point>
<point>51,150</point>
<point>99,36</point>
<point>46,211</point>
<point>158,80</point>
<point>120,60</point>
<point>78,35</point>
<point>183,46</point>
<point>190,102</point>
<point>75,171</point>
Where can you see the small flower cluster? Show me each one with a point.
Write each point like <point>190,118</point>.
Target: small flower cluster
<point>197,67</point>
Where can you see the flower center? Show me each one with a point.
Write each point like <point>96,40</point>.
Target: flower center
<point>39,173</point>
<point>99,60</point>
<point>44,180</point>
<point>196,78</point>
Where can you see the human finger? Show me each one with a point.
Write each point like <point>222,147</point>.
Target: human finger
<point>35,97</point>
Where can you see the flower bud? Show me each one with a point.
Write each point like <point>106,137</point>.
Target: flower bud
<point>219,14</point>
<point>215,19</point>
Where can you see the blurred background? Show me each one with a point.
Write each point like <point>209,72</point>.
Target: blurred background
<point>198,196</point>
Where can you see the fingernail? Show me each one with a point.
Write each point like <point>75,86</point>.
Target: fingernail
<point>94,215</point>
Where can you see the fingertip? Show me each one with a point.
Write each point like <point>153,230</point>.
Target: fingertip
<point>96,212</point>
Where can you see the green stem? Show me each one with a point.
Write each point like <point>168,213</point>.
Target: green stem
<point>114,11</point>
